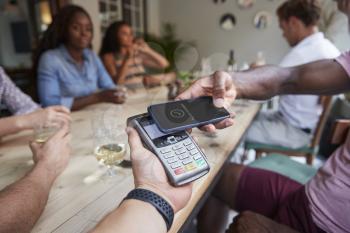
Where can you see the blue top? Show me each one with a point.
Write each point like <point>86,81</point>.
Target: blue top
<point>61,79</point>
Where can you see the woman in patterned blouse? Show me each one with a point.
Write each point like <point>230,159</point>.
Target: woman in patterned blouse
<point>125,57</point>
<point>27,113</point>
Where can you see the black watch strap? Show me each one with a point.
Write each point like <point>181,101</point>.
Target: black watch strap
<point>163,207</point>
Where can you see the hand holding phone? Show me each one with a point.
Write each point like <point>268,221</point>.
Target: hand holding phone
<point>223,90</point>
<point>185,114</point>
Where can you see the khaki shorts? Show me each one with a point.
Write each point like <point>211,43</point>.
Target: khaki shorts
<point>271,128</point>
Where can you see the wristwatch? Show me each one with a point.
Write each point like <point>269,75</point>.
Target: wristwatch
<point>162,206</point>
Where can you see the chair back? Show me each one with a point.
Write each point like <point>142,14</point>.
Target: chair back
<point>326,102</point>
<point>339,132</point>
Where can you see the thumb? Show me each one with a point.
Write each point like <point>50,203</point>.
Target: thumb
<point>34,146</point>
<point>219,88</point>
<point>134,142</point>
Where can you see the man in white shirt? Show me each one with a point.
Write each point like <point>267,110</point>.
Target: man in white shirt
<point>297,116</point>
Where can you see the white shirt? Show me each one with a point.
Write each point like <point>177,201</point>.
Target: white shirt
<point>303,111</point>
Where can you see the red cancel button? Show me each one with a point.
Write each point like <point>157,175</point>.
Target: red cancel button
<point>179,171</point>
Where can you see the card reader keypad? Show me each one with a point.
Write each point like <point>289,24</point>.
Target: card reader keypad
<point>183,157</point>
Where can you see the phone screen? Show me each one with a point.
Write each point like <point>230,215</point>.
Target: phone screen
<point>180,115</point>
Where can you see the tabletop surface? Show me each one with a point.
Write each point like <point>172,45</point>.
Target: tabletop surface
<point>82,195</point>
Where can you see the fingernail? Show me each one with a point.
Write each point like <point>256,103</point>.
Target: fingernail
<point>219,102</point>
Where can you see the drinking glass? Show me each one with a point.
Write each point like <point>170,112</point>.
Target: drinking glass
<point>109,138</point>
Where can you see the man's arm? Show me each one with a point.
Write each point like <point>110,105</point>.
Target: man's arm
<point>324,77</point>
<point>23,202</point>
<point>134,216</point>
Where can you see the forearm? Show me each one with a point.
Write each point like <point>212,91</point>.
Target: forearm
<point>325,77</point>
<point>132,216</point>
<point>158,60</point>
<point>84,101</point>
<point>121,75</point>
<point>261,83</point>
<point>23,202</point>
<point>14,124</point>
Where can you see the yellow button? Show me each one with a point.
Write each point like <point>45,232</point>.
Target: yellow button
<point>190,167</point>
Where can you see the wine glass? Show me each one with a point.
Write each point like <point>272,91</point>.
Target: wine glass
<point>44,130</point>
<point>109,138</point>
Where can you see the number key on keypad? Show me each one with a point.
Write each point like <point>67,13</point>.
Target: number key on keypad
<point>190,147</point>
<point>183,156</point>
<point>164,151</point>
<point>186,143</point>
<point>176,147</point>
<point>172,160</point>
<point>193,152</point>
<point>187,161</point>
<point>175,165</point>
<point>179,152</point>
<point>169,155</point>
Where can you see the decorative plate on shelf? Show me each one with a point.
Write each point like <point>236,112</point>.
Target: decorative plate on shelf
<point>228,21</point>
<point>262,20</point>
<point>245,4</point>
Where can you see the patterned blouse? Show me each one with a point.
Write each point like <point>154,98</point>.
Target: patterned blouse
<point>13,98</point>
<point>136,69</point>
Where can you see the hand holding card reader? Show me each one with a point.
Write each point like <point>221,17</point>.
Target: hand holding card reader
<point>180,155</point>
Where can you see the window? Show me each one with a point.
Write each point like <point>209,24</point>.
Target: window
<point>131,11</point>
<point>110,11</point>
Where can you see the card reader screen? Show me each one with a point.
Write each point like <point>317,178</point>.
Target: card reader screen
<point>153,131</point>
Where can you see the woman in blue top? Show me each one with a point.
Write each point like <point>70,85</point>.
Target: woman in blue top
<point>69,72</point>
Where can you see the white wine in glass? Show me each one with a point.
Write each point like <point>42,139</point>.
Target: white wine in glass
<point>44,133</point>
<point>110,154</point>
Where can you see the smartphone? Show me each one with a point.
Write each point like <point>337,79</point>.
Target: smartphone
<point>179,154</point>
<point>185,114</point>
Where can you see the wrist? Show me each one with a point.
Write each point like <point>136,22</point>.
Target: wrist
<point>162,206</point>
<point>23,122</point>
<point>146,212</point>
<point>235,80</point>
<point>44,172</point>
<point>99,97</point>
<point>158,192</point>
